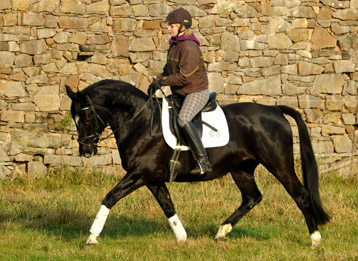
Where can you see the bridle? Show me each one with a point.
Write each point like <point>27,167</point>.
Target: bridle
<point>96,135</point>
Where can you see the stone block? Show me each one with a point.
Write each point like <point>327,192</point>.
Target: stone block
<point>7,58</point>
<point>33,19</point>
<point>346,14</point>
<point>35,139</point>
<point>3,104</point>
<point>261,62</point>
<point>38,79</point>
<point>142,45</point>
<point>23,157</point>
<point>328,83</point>
<point>98,160</point>
<point>33,47</point>
<point>23,60</point>
<point>124,24</point>
<point>3,154</point>
<point>289,69</point>
<point>12,116</point>
<point>328,130</point>
<point>344,66</point>
<point>98,39</point>
<point>334,103</point>
<point>69,69</point>
<point>230,42</point>
<point>72,7</point>
<point>67,22</point>
<point>51,21</point>
<point>310,102</point>
<point>140,10</point>
<point>307,68</point>
<point>342,144</point>
<point>314,115</point>
<point>269,86</point>
<point>98,8</point>
<point>23,106</point>
<point>123,10</point>
<point>36,169</point>
<point>10,19</point>
<point>5,4</point>
<point>279,41</point>
<point>45,33</point>
<point>349,119</point>
<point>216,82</point>
<point>11,89</point>
<point>160,10</point>
<point>47,98</point>
<point>299,35</point>
<point>322,39</point>
<point>21,5</point>
<point>45,6</point>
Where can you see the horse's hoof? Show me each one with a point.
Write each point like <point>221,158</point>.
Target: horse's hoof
<point>223,231</point>
<point>92,240</point>
<point>316,239</point>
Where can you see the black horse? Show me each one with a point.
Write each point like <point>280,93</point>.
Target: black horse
<point>258,134</point>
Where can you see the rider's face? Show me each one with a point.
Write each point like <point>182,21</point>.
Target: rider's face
<point>173,29</point>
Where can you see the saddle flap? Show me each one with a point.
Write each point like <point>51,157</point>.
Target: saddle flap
<point>215,117</point>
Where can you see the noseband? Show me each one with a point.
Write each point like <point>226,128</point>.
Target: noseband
<point>95,136</point>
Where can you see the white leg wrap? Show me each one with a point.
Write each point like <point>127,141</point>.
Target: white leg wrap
<point>99,221</point>
<point>223,231</point>
<point>316,239</point>
<point>177,228</point>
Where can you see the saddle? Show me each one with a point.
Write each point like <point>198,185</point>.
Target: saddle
<point>210,122</point>
<point>176,102</point>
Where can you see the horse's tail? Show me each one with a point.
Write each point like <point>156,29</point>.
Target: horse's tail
<point>309,166</point>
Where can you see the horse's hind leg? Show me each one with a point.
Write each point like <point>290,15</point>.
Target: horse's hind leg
<point>300,195</point>
<point>162,195</point>
<point>251,196</point>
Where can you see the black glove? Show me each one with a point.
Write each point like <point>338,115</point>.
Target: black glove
<point>155,85</point>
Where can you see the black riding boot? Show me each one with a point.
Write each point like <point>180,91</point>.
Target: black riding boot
<point>202,165</point>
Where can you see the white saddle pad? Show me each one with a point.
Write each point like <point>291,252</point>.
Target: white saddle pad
<point>210,138</point>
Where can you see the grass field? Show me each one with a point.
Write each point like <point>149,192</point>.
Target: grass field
<point>49,218</point>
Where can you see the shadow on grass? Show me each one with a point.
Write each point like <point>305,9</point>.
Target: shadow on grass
<point>238,231</point>
<point>70,224</point>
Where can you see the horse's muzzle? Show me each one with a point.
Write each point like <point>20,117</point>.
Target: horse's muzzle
<point>88,151</point>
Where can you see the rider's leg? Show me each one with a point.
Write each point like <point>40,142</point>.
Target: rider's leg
<point>192,105</point>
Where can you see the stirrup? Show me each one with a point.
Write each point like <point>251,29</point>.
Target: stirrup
<point>201,168</point>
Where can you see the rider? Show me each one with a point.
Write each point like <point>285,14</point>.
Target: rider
<point>185,73</point>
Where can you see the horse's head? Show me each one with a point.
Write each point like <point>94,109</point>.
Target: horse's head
<point>88,123</point>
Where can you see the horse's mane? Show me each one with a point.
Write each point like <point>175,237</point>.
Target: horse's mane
<point>114,86</point>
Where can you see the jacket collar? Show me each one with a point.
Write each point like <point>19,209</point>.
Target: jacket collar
<point>191,37</point>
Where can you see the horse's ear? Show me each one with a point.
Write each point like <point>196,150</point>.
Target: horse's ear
<point>70,93</point>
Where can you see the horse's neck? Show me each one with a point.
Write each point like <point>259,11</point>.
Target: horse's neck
<point>126,107</point>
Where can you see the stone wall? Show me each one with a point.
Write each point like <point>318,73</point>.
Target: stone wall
<point>298,53</point>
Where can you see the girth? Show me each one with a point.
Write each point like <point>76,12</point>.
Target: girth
<point>176,102</point>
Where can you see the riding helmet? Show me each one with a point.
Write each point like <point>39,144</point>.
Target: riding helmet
<point>179,16</point>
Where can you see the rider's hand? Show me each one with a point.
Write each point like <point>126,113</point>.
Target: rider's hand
<point>155,85</point>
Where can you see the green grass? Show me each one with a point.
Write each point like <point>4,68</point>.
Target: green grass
<point>49,218</point>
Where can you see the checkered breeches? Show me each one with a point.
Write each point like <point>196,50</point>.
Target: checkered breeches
<point>192,105</point>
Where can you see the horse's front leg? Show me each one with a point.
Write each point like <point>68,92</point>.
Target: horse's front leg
<point>161,193</point>
<point>127,185</point>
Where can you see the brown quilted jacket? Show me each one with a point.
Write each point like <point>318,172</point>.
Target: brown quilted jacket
<point>185,71</point>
